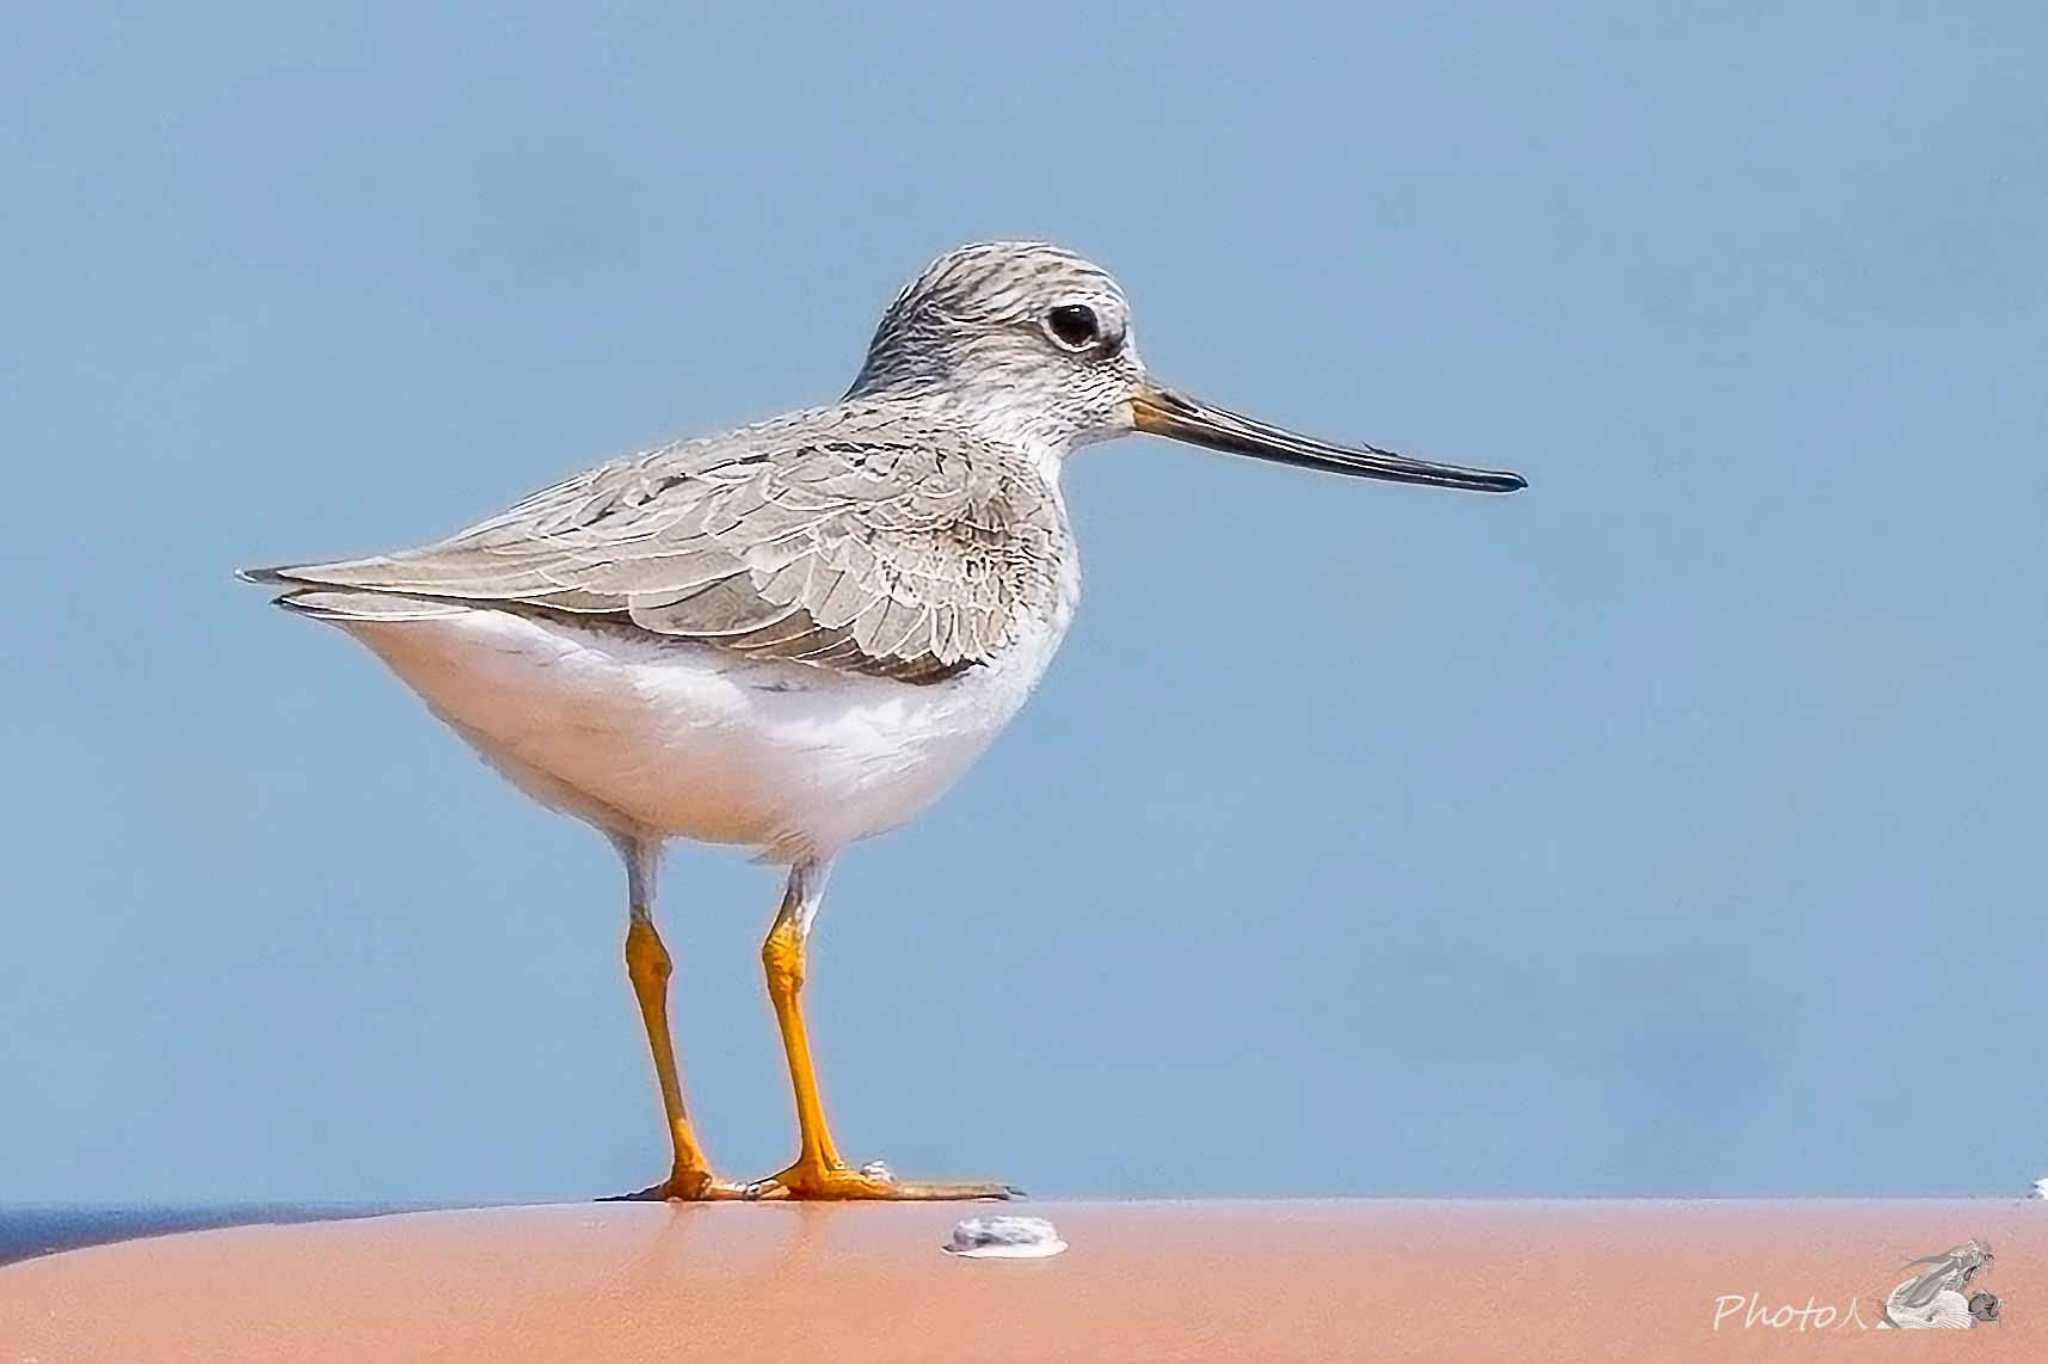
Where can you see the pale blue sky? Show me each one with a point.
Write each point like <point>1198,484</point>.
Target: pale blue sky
<point>1673,827</point>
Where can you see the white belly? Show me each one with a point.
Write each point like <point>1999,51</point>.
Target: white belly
<point>667,737</point>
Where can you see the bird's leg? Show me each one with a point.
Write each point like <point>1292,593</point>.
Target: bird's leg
<point>818,1171</point>
<point>648,967</point>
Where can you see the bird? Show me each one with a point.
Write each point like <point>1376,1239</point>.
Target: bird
<point>795,635</point>
<point>1933,1298</point>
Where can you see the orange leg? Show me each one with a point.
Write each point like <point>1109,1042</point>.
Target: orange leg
<point>818,1171</point>
<point>649,967</point>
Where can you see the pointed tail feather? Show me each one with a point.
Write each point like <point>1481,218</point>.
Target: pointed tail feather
<point>364,607</point>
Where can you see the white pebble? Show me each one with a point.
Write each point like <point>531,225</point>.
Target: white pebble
<point>1005,1238</point>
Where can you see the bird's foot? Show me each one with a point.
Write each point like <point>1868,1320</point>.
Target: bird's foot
<point>834,1180</point>
<point>685,1186</point>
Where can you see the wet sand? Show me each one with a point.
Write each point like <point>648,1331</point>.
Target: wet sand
<point>1394,1280</point>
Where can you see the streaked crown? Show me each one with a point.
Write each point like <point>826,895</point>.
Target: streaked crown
<point>1028,338</point>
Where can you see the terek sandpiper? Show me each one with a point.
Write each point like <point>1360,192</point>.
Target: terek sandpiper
<point>797,634</point>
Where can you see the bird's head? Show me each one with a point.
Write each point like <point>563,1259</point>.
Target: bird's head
<point>1034,344</point>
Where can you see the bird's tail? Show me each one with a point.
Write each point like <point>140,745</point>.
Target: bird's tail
<point>344,607</point>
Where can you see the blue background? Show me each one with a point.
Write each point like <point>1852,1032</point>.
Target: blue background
<point>1673,827</point>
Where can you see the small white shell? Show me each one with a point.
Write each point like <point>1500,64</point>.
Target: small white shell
<point>2040,1189</point>
<point>1005,1238</point>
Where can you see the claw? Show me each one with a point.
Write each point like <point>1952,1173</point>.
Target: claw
<point>695,1187</point>
<point>651,1194</point>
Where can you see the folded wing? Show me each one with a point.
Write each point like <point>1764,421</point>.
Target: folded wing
<point>836,538</point>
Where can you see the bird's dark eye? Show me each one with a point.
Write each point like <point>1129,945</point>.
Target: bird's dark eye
<point>1073,325</point>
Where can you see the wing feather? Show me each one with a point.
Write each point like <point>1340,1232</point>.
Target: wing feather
<point>872,538</point>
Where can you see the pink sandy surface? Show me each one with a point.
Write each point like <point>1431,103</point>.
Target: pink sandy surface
<point>1396,1280</point>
